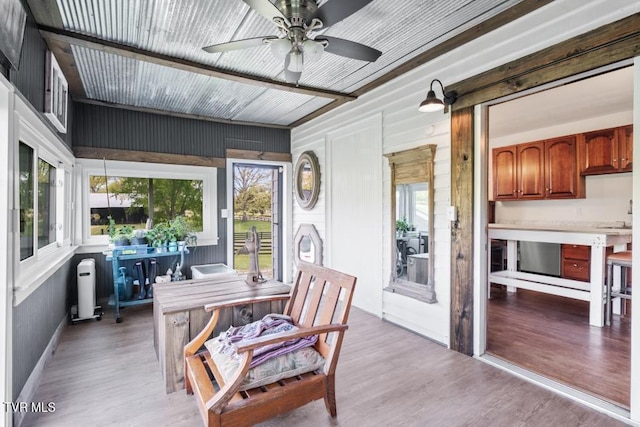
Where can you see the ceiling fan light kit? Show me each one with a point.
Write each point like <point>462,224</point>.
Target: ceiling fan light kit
<point>297,44</point>
<point>432,103</point>
<point>280,48</point>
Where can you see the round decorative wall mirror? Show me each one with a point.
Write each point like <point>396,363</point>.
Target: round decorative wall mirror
<point>307,180</point>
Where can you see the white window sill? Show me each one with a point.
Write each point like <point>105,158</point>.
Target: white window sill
<point>32,277</point>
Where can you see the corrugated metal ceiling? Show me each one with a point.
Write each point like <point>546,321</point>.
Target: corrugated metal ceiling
<point>180,28</point>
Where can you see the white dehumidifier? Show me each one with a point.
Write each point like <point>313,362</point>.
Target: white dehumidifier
<point>86,308</point>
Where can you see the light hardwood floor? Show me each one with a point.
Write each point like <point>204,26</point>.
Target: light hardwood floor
<point>106,374</point>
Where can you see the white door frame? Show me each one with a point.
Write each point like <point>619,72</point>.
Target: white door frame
<point>7,228</point>
<point>287,212</point>
<point>480,274</point>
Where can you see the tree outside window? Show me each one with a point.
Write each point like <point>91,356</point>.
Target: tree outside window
<point>130,200</point>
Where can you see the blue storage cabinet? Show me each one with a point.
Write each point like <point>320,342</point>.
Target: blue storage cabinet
<point>133,253</point>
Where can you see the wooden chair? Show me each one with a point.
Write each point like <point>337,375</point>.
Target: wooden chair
<point>319,303</point>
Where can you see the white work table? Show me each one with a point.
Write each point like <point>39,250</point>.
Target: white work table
<point>598,238</point>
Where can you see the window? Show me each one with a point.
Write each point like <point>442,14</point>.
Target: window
<point>40,200</point>
<point>56,92</point>
<point>46,204</point>
<point>132,193</point>
<point>44,220</point>
<point>26,201</point>
<point>133,201</point>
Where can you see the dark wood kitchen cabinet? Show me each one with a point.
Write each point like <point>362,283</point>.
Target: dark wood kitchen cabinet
<point>606,151</point>
<point>562,180</point>
<point>625,138</point>
<point>518,172</point>
<point>537,170</point>
<point>576,262</point>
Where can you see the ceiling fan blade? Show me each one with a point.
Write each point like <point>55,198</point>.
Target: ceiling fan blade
<point>350,49</point>
<point>265,8</point>
<point>237,44</point>
<point>290,76</point>
<point>335,11</point>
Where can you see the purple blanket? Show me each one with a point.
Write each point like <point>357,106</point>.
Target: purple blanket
<point>268,325</point>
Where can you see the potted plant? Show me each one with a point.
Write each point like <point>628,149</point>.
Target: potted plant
<point>182,233</point>
<point>402,226</point>
<point>139,237</point>
<point>111,228</point>
<point>122,235</point>
<point>158,236</point>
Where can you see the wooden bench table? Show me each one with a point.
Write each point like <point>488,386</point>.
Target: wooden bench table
<point>178,315</point>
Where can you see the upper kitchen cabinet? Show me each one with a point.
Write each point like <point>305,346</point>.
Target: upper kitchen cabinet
<point>518,171</point>
<point>562,180</point>
<point>537,170</point>
<point>606,151</point>
<point>625,135</point>
<point>505,178</point>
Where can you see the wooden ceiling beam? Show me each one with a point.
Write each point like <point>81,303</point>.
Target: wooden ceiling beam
<point>64,55</point>
<point>602,46</point>
<point>72,38</point>
<point>46,12</point>
<point>82,152</point>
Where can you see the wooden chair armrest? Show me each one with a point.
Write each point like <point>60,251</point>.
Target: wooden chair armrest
<point>286,336</point>
<point>217,403</point>
<point>194,345</point>
<point>245,301</point>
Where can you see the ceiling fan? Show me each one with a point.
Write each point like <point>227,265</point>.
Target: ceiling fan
<point>296,44</point>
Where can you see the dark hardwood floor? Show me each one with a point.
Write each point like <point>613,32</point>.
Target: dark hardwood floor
<point>551,336</point>
<point>106,374</point>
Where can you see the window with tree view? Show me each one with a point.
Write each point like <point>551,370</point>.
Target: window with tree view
<point>40,222</point>
<point>131,201</point>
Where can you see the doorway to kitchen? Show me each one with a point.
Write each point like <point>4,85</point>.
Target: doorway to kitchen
<point>543,184</point>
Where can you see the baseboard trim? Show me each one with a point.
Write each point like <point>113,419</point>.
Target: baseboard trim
<point>30,387</point>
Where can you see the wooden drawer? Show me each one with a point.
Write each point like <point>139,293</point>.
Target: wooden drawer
<point>576,269</point>
<point>576,252</point>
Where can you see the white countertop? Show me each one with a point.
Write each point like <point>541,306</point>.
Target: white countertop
<point>587,229</point>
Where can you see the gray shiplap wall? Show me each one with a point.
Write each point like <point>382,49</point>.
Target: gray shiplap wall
<point>35,321</point>
<point>105,127</point>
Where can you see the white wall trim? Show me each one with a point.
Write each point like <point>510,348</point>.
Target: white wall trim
<point>635,302</point>
<point>480,256</point>
<point>8,221</point>
<point>30,387</point>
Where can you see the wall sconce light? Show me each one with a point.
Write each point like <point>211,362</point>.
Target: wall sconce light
<point>433,103</point>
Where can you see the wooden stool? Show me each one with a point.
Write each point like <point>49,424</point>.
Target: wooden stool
<point>622,260</point>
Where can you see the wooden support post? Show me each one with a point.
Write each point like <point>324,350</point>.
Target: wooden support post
<point>461,335</point>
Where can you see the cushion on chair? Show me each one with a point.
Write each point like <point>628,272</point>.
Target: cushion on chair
<point>287,365</point>
<point>270,363</point>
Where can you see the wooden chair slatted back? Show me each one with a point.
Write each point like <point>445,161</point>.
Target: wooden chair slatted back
<point>299,293</point>
<point>321,296</point>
